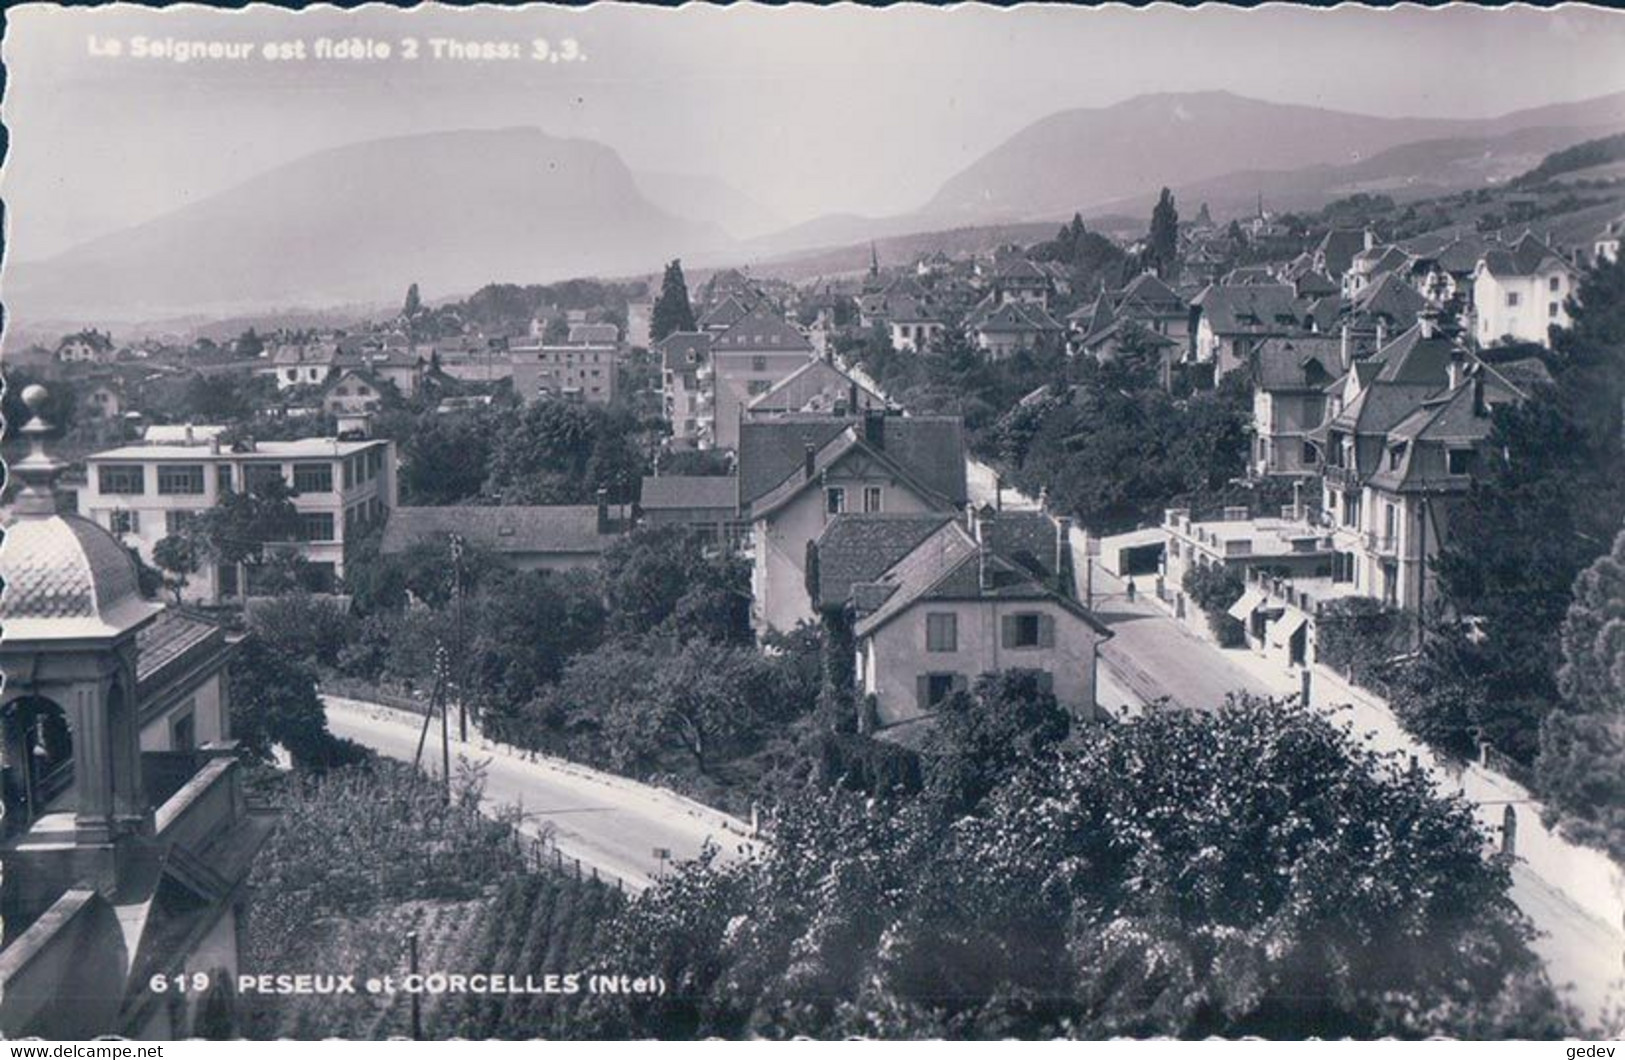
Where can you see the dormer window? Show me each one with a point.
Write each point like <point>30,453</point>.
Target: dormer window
<point>1396,455</point>
<point>1461,461</point>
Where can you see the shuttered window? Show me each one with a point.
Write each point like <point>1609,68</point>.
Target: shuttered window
<point>1027,630</point>
<point>942,632</point>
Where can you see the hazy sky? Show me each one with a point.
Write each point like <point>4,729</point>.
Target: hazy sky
<point>810,111</point>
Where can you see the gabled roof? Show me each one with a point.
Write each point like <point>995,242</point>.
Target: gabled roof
<point>724,314</point>
<point>1528,256</point>
<point>949,565</point>
<point>1148,290</point>
<point>925,453</point>
<point>676,492</point>
<point>770,450</point>
<point>1018,318</point>
<point>816,386</point>
<point>1313,284</point>
<point>594,335</point>
<point>1337,248</point>
<point>316,353</point>
<point>858,548</point>
<point>1390,297</point>
<point>1414,358</point>
<point>761,329</point>
<point>571,528</point>
<point>675,348</point>
<point>1022,270</point>
<point>1251,308</point>
<point>1303,364</point>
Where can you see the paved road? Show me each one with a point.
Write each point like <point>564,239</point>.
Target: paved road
<point>611,823</point>
<point>1584,957</point>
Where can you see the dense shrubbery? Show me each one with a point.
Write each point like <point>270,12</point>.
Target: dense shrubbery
<point>1358,636</point>
<point>1214,590</point>
<point>1251,871</point>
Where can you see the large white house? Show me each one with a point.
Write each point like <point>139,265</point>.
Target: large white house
<point>144,493</point>
<point>1520,293</point>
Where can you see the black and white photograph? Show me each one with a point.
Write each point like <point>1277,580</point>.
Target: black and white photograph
<point>793,521</point>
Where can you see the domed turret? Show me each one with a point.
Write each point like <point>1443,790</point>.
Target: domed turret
<point>65,577</point>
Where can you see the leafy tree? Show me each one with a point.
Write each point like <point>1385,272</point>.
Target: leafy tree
<point>524,628</point>
<point>1581,768</point>
<point>274,701</point>
<point>1162,246</point>
<point>703,462</point>
<point>414,303</point>
<point>241,524</point>
<point>981,737</point>
<point>176,556</point>
<point>672,310</point>
<point>638,702</point>
<point>444,459</point>
<point>555,452</point>
<point>672,579</point>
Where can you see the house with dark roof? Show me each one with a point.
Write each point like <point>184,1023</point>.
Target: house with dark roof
<point>797,473</point>
<point>1002,330</point>
<point>1336,250</point>
<point>1290,376</point>
<point>1425,467</point>
<point>936,600</point>
<point>748,358</point>
<point>1018,279</point>
<point>707,503</point>
<point>523,537</point>
<point>1391,304</point>
<point>1232,320</point>
<point>1520,293</point>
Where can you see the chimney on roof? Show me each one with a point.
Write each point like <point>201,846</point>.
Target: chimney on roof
<point>985,519</point>
<point>189,438</point>
<point>1382,333</point>
<point>852,398</point>
<point>1427,323</point>
<point>214,445</point>
<point>603,510</point>
<point>874,428</point>
<point>1345,353</point>
<point>808,456</point>
<point>1479,407</point>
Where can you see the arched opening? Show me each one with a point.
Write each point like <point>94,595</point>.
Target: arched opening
<point>36,742</point>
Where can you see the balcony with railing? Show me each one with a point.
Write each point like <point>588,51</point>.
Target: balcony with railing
<point>1344,478</point>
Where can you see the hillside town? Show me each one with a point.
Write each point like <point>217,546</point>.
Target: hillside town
<point>1201,626</point>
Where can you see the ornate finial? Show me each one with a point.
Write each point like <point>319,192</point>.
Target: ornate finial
<point>37,471</point>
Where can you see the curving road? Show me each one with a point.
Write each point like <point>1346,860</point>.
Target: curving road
<point>612,824</point>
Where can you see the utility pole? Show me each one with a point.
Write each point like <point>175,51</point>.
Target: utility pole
<point>462,651</point>
<point>445,729</point>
